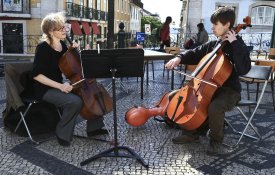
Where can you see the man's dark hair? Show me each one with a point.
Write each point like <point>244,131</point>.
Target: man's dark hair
<point>200,26</point>
<point>224,15</point>
<point>121,25</point>
<point>168,19</point>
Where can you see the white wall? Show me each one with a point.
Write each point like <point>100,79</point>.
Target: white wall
<point>208,6</point>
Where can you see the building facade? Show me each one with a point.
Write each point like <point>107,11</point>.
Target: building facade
<point>136,8</point>
<point>260,11</point>
<point>20,22</point>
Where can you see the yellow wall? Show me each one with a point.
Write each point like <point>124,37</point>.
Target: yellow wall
<point>34,27</point>
<point>34,3</point>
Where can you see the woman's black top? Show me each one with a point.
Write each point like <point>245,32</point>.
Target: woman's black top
<point>46,63</point>
<point>236,52</point>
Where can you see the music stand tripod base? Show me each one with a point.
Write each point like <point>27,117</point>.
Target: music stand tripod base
<point>121,84</point>
<point>109,61</point>
<point>114,152</point>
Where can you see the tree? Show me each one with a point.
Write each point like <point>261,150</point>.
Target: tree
<point>154,22</point>
<point>151,40</point>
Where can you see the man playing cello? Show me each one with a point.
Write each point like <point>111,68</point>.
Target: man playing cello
<point>226,96</point>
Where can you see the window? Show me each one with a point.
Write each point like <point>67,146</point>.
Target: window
<point>262,15</point>
<point>98,5</point>
<point>90,3</point>
<point>81,9</point>
<point>105,5</point>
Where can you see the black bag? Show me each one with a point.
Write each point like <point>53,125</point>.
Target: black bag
<point>41,118</point>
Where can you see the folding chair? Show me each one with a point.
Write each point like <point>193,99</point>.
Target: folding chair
<point>271,54</point>
<point>23,114</point>
<point>256,73</point>
<point>19,99</point>
<point>271,78</point>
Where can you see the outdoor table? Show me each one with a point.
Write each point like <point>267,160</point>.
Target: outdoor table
<point>155,55</point>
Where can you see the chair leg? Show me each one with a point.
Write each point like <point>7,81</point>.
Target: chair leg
<point>163,68</point>
<point>242,133</point>
<point>272,93</point>
<point>248,95</point>
<point>247,91</point>
<point>153,69</point>
<point>23,115</point>
<point>168,75</point>
<point>250,124</point>
<point>257,91</point>
<point>144,67</point>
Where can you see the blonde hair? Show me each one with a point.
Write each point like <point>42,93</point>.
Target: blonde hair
<point>51,22</point>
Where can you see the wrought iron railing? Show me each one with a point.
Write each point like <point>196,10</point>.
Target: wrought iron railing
<point>14,44</point>
<point>21,8</point>
<point>80,11</point>
<point>259,41</point>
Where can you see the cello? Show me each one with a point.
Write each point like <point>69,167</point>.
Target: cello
<point>96,100</point>
<point>188,106</point>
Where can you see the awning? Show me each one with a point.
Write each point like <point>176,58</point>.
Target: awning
<point>76,28</point>
<point>95,28</point>
<point>86,28</point>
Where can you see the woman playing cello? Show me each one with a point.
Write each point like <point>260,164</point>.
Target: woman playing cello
<point>226,96</point>
<point>49,86</point>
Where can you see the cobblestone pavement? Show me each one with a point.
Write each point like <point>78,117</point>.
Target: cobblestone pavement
<point>20,156</point>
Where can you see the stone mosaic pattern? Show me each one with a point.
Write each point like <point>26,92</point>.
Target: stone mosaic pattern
<point>20,156</point>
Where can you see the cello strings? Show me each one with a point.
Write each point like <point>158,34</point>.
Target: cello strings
<point>207,82</point>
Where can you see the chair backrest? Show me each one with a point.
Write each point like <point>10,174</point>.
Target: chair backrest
<point>266,63</point>
<point>259,72</point>
<point>172,50</point>
<point>271,54</point>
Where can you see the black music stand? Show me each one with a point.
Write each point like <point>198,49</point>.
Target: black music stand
<point>113,63</point>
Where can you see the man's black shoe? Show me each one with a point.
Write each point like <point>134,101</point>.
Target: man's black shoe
<point>97,132</point>
<point>217,148</point>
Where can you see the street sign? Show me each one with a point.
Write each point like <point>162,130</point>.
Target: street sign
<point>140,36</point>
<point>147,29</point>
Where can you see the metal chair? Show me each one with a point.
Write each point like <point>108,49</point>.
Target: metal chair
<point>30,102</point>
<point>270,80</point>
<point>271,54</point>
<point>256,73</point>
<point>172,50</point>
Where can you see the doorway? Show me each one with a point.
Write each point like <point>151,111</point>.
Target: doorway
<point>12,37</point>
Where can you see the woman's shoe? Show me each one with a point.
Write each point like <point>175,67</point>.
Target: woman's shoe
<point>183,139</point>
<point>97,132</point>
<point>62,142</point>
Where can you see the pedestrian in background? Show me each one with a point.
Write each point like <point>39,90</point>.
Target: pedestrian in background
<point>165,33</point>
<point>201,37</point>
<point>121,36</point>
